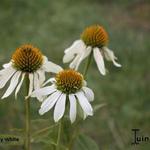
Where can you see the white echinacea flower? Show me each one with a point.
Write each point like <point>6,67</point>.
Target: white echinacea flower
<point>93,40</point>
<point>26,61</point>
<point>68,87</point>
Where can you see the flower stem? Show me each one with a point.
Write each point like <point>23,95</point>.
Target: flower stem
<point>87,64</point>
<point>27,117</point>
<point>59,136</point>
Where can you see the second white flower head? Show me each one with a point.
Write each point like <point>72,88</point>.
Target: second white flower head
<point>67,87</point>
<point>93,40</point>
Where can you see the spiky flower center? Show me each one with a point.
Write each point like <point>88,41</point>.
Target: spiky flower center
<point>95,36</point>
<point>69,81</point>
<point>27,58</point>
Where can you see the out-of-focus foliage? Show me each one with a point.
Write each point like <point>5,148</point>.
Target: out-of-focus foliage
<point>53,26</point>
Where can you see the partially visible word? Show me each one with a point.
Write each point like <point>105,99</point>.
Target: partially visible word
<point>6,140</point>
<point>137,139</point>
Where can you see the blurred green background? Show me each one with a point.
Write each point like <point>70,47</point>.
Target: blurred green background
<point>52,26</point>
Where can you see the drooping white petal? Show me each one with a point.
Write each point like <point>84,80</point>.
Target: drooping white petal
<point>73,107</point>
<point>99,61</point>
<point>30,84</point>
<point>52,80</point>
<point>116,64</point>
<point>19,85</point>
<point>74,63</point>
<point>76,47</point>
<point>85,53</point>
<point>5,75</point>
<point>60,108</point>
<point>45,59</point>
<point>36,81</point>
<point>13,84</point>
<point>49,102</point>
<point>84,83</point>
<point>41,74</point>
<point>7,65</point>
<point>68,57</point>
<point>80,60</point>
<point>83,101</point>
<point>84,115</point>
<point>44,91</point>
<point>88,50</point>
<point>109,55</point>
<point>88,93</point>
<point>2,71</point>
<point>51,67</point>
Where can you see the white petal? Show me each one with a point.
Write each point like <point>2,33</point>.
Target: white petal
<point>7,65</point>
<point>36,81</point>
<point>99,61</point>
<point>84,55</point>
<point>13,84</point>
<point>45,59</point>
<point>116,64</point>
<point>68,57</point>
<point>76,47</point>
<point>74,63</point>
<point>5,75</point>
<point>84,115</point>
<point>52,80</point>
<point>84,83</point>
<point>109,54</point>
<point>30,84</point>
<point>73,107</point>
<point>60,108</point>
<point>49,102</point>
<point>41,74</point>
<point>44,91</point>
<point>19,85</point>
<point>87,51</point>
<point>88,93</point>
<point>86,106</point>
<point>51,67</point>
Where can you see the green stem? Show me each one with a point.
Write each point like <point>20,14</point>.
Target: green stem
<point>87,64</point>
<point>76,130</point>
<point>59,136</point>
<point>27,117</point>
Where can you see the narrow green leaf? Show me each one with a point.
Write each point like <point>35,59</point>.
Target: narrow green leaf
<point>16,130</point>
<point>98,106</point>
<point>43,131</point>
<point>84,142</point>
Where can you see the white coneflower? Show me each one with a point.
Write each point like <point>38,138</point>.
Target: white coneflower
<point>68,85</point>
<point>93,40</point>
<point>26,60</point>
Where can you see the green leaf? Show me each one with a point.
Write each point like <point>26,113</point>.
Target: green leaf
<point>45,135</point>
<point>9,139</point>
<point>16,130</point>
<point>40,127</point>
<point>98,106</point>
<point>44,131</point>
<point>84,142</point>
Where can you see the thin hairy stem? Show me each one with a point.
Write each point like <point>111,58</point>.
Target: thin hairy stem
<point>27,117</point>
<point>87,64</point>
<point>59,136</point>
